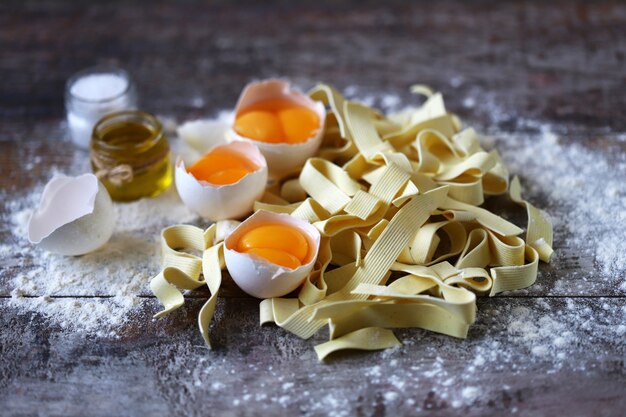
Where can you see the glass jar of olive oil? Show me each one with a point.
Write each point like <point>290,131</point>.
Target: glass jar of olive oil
<point>131,155</point>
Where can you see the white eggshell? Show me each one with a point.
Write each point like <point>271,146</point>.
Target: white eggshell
<point>75,216</point>
<point>258,277</point>
<point>220,202</point>
<point>283,159</point>
<point>202,135</point>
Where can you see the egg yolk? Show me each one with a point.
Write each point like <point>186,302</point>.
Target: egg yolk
<point>299,124</point>
<point>279,244</point>
<point>222,166</point>
<point>227,176</point>
<point>277,257</point>
<point>277,121</point>
<point>263,126</point>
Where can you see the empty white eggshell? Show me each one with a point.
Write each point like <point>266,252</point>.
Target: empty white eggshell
<point>283,159</point>
<point>201,135</point>
<point>75,216</point>
<point>259,277</point>
<point>219,202</point>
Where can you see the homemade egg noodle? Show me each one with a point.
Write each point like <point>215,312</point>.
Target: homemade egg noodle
<point>404,242</point>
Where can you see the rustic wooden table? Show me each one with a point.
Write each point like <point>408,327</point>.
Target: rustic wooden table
<point>511,69</point>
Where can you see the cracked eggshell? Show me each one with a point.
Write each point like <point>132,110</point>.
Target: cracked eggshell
<point>220,202</point>
<point>283,159</point>
<point>75,216</point>
<point>203,134</point>
<point>259,277</point>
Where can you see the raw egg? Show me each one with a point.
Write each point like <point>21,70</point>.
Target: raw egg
<point>223,165</point>
<point>278,243</point>
<point>276,256</point>
<point>284,123</point>
<point>75,216</point>
<point>260,125</point>
<point>298,123</point>
<point>270,254</point>
<point>276,121</point>
<point>225,182</point>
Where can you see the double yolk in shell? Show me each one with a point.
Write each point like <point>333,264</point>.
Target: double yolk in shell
<point>277,121</point>
<point>279,244</point>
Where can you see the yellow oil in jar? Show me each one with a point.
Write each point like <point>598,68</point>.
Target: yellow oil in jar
<point>131,155</point>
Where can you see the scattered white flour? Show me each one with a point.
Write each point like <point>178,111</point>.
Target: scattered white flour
<point>391,396</point>
<point>546,335</point>
<point>586,198</point>
<point>469,393</point>
<point>108,280</point>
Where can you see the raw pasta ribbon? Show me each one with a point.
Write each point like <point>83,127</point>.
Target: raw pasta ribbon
<point>405,242</point>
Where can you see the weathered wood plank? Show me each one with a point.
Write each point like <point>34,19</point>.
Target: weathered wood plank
<point>558,61</point>
<point>532,357</point>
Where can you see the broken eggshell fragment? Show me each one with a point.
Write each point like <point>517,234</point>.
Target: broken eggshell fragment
<point>283,159</point>
<point>75,216</point>
<point>230,201</point>
<point>259,277</point>
<point>203,134</point>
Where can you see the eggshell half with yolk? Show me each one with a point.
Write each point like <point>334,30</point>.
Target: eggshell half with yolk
<point>259,277</point>
<point>224,201</point>
<point>282,158</point>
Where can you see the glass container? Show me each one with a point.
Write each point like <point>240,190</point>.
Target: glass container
<point>93,93</point>
<point>131,155</point>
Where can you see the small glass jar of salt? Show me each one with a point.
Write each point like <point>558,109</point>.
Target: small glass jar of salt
<point>93,93</point>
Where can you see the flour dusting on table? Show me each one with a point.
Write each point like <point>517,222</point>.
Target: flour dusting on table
<point>107,281</point>
<point>589,217</point>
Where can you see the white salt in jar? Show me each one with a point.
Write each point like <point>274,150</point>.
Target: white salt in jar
<point>93,93</point>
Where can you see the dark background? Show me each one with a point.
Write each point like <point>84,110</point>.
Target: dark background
<point>561,60</point>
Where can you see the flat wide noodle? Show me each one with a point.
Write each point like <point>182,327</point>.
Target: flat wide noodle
<point>183,270</point>
<point>404,242</point>
<point>368,338</point>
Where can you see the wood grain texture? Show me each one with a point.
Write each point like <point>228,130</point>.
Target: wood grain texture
<point>559,62</point>
<point>265,371</point>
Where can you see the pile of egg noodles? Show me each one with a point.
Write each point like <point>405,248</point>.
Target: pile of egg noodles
<point>405,242</point>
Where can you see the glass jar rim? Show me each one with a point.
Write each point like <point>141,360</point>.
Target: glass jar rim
<point>138,114</point>
<point>104,69</point>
